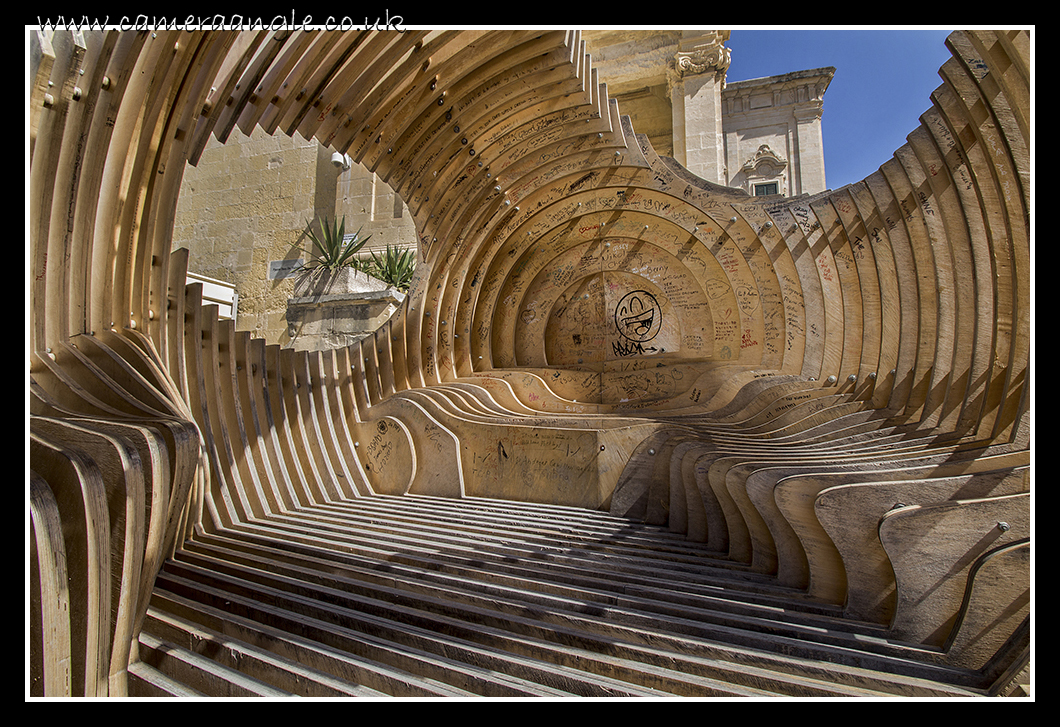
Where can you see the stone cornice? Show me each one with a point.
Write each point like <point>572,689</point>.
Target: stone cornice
<point>816,79</point>
<point>809,111</point>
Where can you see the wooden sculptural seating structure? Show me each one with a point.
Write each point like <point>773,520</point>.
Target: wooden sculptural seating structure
<point>631,433</point>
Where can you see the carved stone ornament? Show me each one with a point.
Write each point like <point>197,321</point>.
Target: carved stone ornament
<point>703,59</point>
<point>765,163</point>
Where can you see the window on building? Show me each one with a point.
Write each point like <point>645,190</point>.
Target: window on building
<point>766,188</point>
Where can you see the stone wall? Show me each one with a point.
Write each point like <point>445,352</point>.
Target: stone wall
<point>371,205</point>
<point>634,65</point>
<point>245,204</point>
<point>244,208</point>
<point>336,309</point>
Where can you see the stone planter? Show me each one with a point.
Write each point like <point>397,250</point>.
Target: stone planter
<point>335,309</point>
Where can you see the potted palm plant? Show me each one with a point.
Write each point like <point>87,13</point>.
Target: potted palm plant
<point>332,260</point>
<point>395,267</point>
<point>343,296</point>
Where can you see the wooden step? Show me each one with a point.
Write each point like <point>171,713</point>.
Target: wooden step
<point>203,674</point>
<point>324,662</point>
<point>297,678</point>
<point>147,681</point>
<point>640,608</point>
<point>401,601</point>
<point>465,667</point>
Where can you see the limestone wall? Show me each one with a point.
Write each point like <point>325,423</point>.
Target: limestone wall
<point>245,205</point>
<point>369,203</point>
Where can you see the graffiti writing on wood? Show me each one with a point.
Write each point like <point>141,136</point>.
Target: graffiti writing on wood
<point>632,348</point>
<point>638,317</point>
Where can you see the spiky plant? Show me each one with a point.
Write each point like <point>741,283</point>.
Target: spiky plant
<point>329,249</point>
<point>395,267</point>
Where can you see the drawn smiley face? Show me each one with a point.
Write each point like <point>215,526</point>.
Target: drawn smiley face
<point>638,316</point>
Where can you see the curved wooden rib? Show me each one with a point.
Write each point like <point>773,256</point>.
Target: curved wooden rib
<point>806,385</point>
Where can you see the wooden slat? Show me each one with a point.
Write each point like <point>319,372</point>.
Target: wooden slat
<point>807,364</point>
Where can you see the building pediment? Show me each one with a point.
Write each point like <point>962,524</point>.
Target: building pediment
<point>764,163</point>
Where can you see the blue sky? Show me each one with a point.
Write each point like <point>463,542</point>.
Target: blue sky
<point>883,83</point>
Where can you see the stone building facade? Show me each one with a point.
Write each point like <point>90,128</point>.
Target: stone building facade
<point>762,135</point>
<point>244,207</point>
